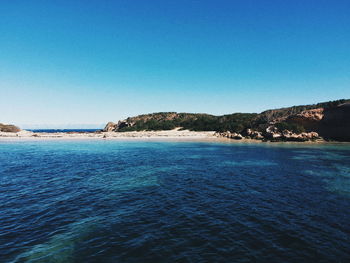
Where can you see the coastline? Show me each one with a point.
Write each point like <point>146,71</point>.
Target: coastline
<point>171,134</point>
<point>167,135</point>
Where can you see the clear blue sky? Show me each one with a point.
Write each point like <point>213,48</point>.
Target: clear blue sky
<point>89,62</point>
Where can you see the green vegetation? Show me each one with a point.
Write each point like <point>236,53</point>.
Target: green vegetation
<point>195,122</point>
<point>150,125</point>
<point>237,122</point>
<point>290,127</point>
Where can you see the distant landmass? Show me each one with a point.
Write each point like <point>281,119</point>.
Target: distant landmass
<point>329,120</point>
<point>9,128</point>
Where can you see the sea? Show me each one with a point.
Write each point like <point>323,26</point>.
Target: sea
<point>158,201</point>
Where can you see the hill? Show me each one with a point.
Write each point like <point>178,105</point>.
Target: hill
<point>190,121</point>
<point>331,119</point>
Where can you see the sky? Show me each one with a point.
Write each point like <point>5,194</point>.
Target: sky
<point>83,63</point>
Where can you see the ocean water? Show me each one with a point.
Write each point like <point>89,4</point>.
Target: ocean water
<point>119,201</point>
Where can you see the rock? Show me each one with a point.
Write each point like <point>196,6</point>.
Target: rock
<point>310,135</point>
<point>109,127</point>
<point>314,135</point>
<point>272,133</point>
<point>309,119</point>
<point>286,133</point>
<point>230,135</point>
<point>335,124</point>
<point>236,136</point>
<point>113,127</point>
<point>254,134</point>
<point>309,115</point>
<point>271,130</point>
<point>123,124</point>
<point>332,123</point>
<point>304,136</point>
<point>276,135</point>
<point>226,134</point>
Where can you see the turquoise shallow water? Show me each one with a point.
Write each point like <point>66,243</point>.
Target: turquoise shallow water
<point>114,201</point>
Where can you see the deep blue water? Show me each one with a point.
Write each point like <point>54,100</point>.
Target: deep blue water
<point>113,201</point>
<point>63,130</point>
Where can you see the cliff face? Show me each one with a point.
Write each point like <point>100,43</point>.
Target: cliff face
<point>335,123</point>
<point>308,119</point>
<point>331,120</point>
<point>9,128</point>
<point>331,123</point>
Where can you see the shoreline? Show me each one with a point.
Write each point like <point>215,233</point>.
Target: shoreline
<point>168,135</point>
<point>143,135</point>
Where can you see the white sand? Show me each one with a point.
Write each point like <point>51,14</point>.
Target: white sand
<point>171,134</point>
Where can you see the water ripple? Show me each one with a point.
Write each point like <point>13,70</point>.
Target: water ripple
<point>173,202</point>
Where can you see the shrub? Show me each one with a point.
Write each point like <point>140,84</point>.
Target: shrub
<point>290,126</point>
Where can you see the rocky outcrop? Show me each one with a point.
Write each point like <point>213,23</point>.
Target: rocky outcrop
<point>110,126</point>
<point>273,134</point>
<point>251,134</point>
<point>310,115</point>
<point>230,135</point>
<point>332,123</point>
<point>335,124</point>
<point>114,127</point>
<point>9,128</point>
<point>308,119</point>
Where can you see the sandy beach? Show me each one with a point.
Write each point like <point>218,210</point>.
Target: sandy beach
<point>168,135</point>
<point>171,134</point>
